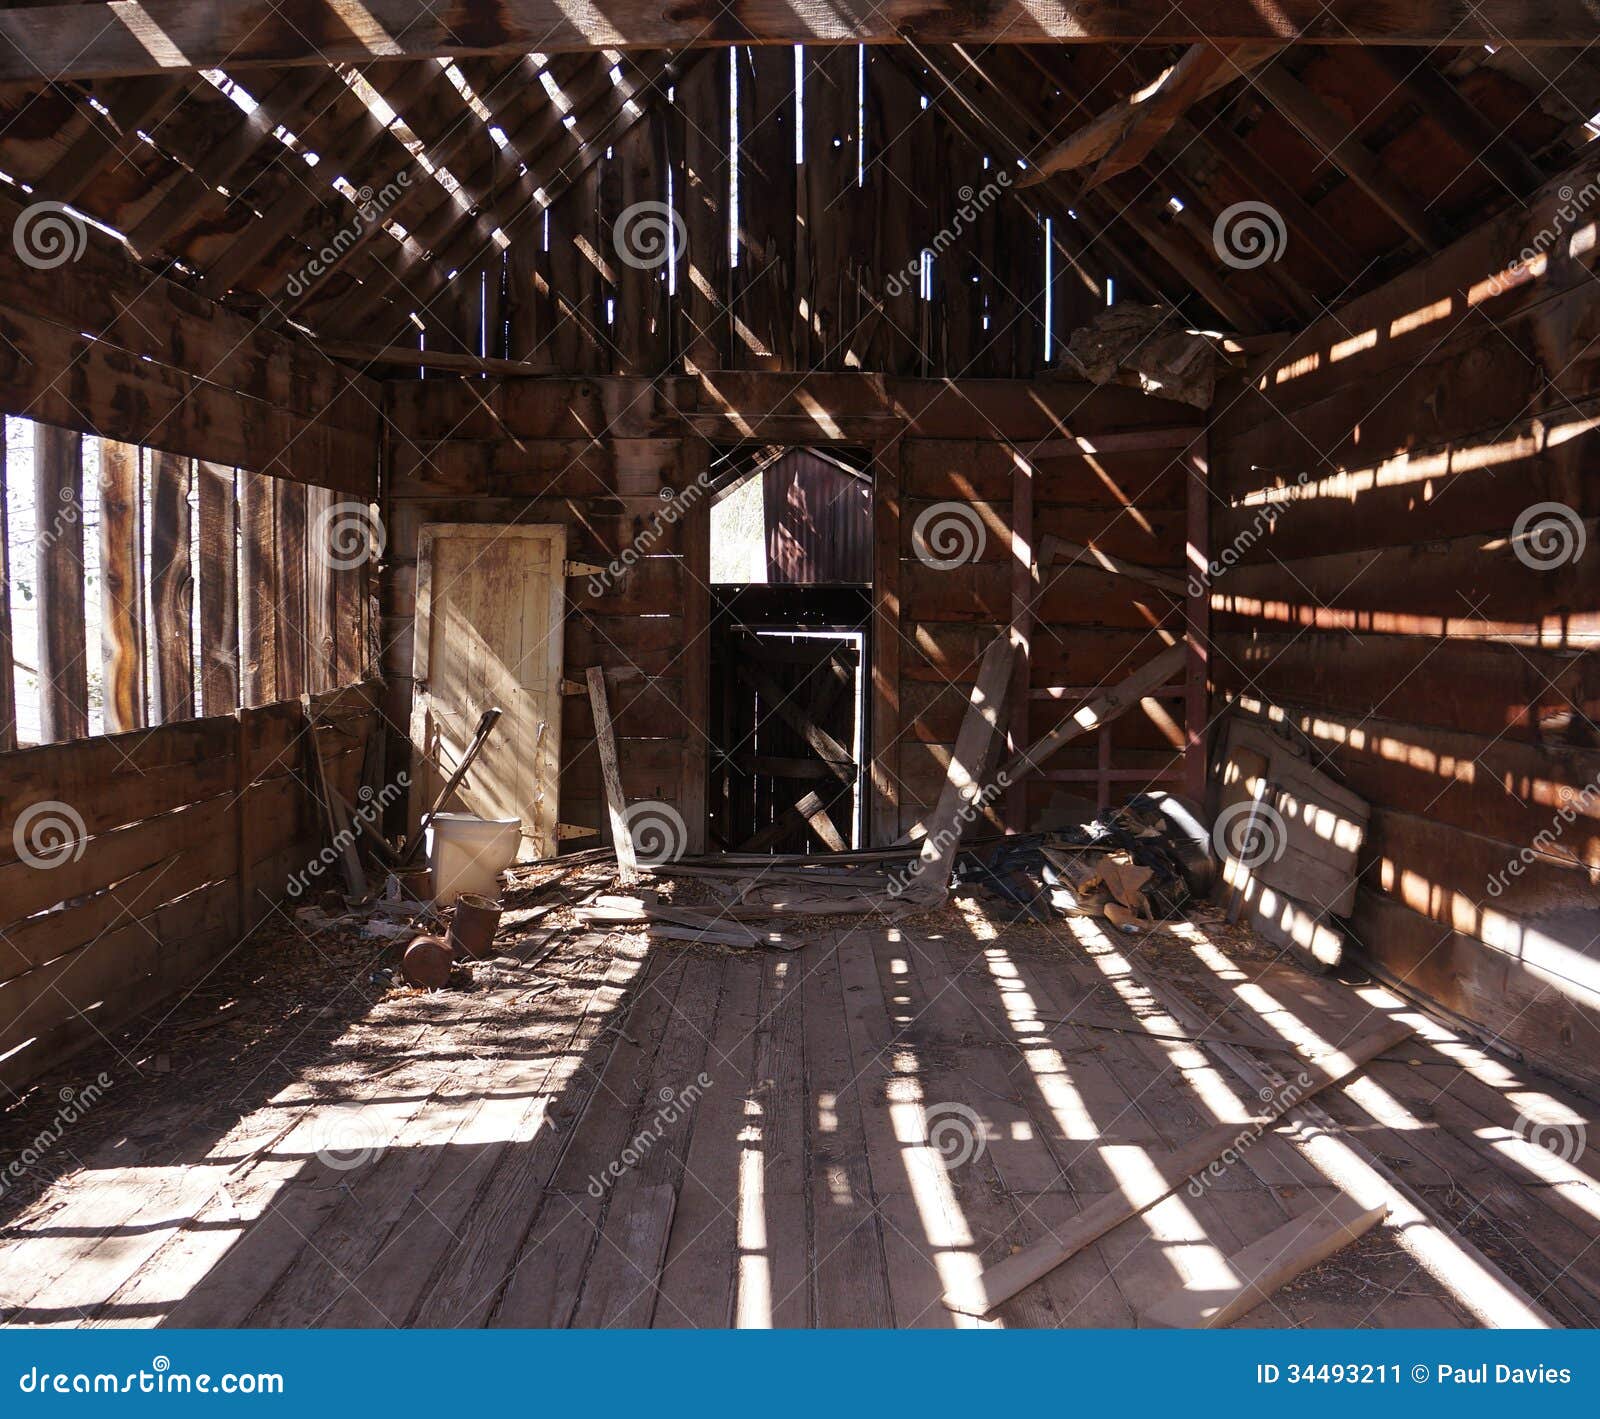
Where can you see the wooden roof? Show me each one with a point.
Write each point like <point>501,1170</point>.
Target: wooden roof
<point>367,199</point>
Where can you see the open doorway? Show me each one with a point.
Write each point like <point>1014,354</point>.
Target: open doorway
<point>791,572</point>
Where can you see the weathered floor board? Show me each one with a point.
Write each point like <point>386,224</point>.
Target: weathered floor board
<point>688,1137</point>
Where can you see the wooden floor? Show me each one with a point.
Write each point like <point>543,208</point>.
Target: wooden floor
<point>673,1135</point>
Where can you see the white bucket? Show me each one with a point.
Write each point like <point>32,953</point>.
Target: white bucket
<point>468,854</point>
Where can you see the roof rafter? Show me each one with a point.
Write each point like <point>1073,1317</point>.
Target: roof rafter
<point>65,41</point>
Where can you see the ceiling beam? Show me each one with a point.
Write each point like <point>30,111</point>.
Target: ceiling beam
<point>1122,136</point>
<point>66,41</point>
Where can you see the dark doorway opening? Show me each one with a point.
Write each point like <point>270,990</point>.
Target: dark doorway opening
<point>791,560</point>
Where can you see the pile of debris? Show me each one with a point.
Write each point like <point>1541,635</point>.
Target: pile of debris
<point>1141,863</point>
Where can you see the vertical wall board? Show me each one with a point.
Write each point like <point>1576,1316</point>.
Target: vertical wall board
<point>884,701</point>
<point>8,687</point>
<point>581,340</point>
<point>171,587</point>
<point>58,546</point>
<point>701,193</point>
<point>639,248</point>
<point>893,109</point>
<point>122,638</point>
<point>258,570</point>
<point>829,206</point>
<point>328,520</point>
<point>219,598</point>
<point>696,554</point>
<point>764,283</point>
<point>292,643</point>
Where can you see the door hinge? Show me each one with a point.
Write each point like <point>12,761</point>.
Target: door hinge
<point>572,830</point>
<point>571,568</point>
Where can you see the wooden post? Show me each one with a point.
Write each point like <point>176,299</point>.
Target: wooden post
<point>8,689</point>
<point>58,543</point>
<point>171,587</point>
<point>291,584</point>
<point>616,801</point>
<point>219,588</point>
<point>258,598</point>
<point>122,586</point>
<point>884,645</point>
<point>1197,623</point>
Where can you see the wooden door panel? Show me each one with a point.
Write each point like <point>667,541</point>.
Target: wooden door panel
<point>489,633</point>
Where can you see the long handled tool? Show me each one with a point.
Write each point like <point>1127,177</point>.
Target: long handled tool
<point>486,722</point>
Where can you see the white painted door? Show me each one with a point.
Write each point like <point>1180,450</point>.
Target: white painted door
<point>488,634</point>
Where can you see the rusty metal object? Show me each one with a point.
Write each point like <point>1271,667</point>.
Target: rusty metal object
<point>426,963</point>
<point>413,884</point>
<point>473,926</point>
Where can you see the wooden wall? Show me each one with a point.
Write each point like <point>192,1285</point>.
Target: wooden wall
<point>1384,609</point>
<point>167,368</point>
<point>823,270</point>
<point>134,863</point>
<point>597,455</point>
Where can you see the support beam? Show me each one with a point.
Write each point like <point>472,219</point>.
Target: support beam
<point>171,588</point>
<point>66,41</point>
<point>1122,136</point>
<point>100,145</point>
<point>121,587</point>
<point>605,743</point>
<point>1328,132</point>
<point>1099,711</point>
<point>58,545</point>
